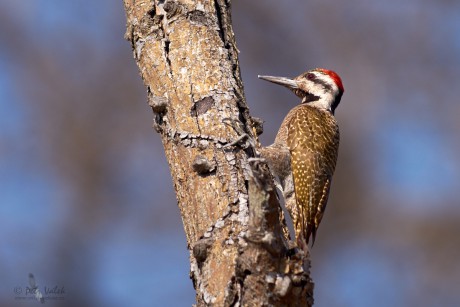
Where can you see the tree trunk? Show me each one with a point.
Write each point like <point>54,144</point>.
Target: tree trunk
<point>186,53</point>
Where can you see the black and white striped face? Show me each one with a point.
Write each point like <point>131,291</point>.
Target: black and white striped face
<point>319,87</point>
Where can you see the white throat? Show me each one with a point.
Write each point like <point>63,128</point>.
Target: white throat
<point>324,102</point>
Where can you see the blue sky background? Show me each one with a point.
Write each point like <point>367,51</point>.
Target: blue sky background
<point>86,199</point>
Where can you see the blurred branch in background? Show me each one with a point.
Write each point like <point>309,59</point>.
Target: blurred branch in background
<point>77,147</point>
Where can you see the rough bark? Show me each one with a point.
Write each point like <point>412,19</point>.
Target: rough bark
<point>187,57</point>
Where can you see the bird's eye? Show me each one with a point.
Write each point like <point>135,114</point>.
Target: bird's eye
<point>311,76</point>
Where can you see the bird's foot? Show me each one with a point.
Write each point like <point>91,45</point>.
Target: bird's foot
<point>244,140</point>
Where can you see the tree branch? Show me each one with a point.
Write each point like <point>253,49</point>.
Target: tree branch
<point>187,57</point>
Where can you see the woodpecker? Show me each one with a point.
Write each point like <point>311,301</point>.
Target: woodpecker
<point>305,150</point>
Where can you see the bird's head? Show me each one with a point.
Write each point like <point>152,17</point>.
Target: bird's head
<point>318,87</point>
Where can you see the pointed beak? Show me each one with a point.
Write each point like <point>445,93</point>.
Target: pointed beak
<point>289,83</point>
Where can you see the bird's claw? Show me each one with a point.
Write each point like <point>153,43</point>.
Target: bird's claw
<point>244,140</point>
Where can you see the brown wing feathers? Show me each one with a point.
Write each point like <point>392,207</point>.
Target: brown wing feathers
<point>313,142</point>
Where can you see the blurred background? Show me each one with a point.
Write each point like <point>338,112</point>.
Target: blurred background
<point>86,199</point>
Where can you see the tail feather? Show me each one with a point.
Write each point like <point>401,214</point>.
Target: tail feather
<point>310,232</point>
